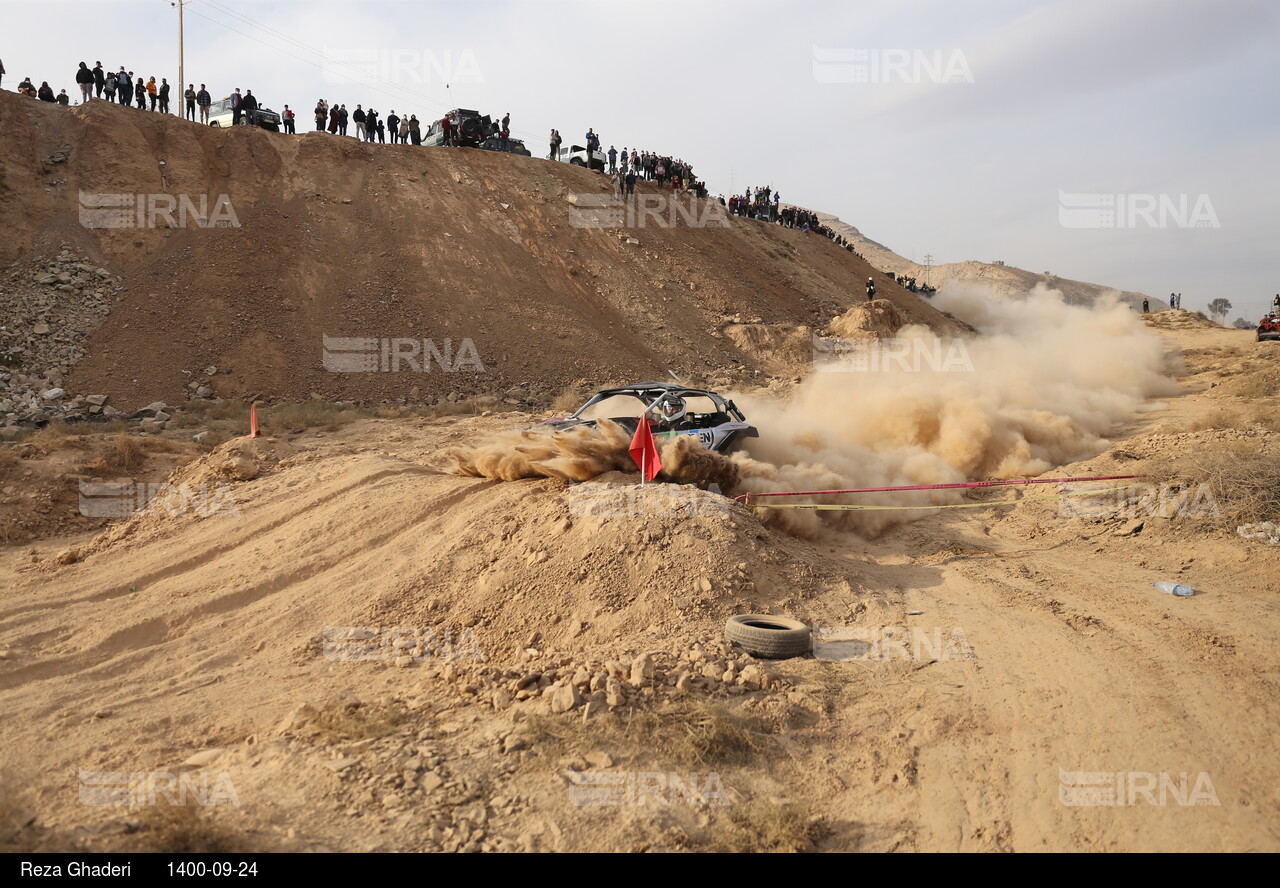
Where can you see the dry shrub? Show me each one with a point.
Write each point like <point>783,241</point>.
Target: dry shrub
<point>759,826</point>
<point>122,456</point>
<point>309,414</point>
<point>187,829</point>
<point>345,722</point>
<point>1244,481</point>
<point>1260,384</point>
<point>570,399</point>
<point>52,436</point>
<point>682,735</point>
<point>1217,418</point>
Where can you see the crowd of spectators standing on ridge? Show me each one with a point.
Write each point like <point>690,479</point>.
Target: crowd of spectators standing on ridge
<point>625,168</point>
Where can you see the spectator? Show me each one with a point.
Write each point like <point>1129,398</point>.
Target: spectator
<point>393,125</point>
<point>84,77</point>
<point>45,92</point>
<point>321,114</point>
<point>190,98</point>
<point>204,100</point>
<point>288,119</point>
<point>140,94</point>
<point>109,88</point>
<point>446,130</point>
<point>404,130</point>
<point>164,95</point>
<point>454,127</point>
<point>555,145</point>
<point>237,107</point>
<point>124,88</point>
<point>631,182</point>
<point>358,118</point>
<point>871,284</point>
<point>249,105</point>
<point>1146,305</point>
<point>153,92</point>
<point>613,159</point>
<point>1173,301</point>
<point>333,120</point>
<point>415,130</point>
<point>506,121</point>
<point>370,124</point>
<point>342,120</point>
<point>63,98</point>
<point>1,71</point>
<point>382,132</point>
<point>99,79</point>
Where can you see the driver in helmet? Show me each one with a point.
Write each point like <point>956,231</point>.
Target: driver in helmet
<point>672,410</point>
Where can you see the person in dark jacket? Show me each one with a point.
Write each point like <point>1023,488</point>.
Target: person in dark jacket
<point>250,107</point>
<point>99,79</point>
<point>63,98</point>
<point>124,88</point>
<point>84,77</point>
<point>237,107</point>
<point>163,94</point>
<point>358,118</point>
<point>140,94</point>
<point>189,97</point>
<point>415,130</point>
<point>342,120</point>
<point>204,100</point>
<point>45,92</point>
<point>393,125</point>
<point>333,120</point>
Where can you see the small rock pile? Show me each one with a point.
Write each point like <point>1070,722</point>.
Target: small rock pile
<point>48,311</point>
<point>562,683</point>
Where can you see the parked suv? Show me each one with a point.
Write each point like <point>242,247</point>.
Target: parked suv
<point>577,155</point>
<point>473,128</point>
<point>514,146</point>
<point>220,114</point>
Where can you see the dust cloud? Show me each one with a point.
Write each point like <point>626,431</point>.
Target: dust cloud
<point>1041,386</point>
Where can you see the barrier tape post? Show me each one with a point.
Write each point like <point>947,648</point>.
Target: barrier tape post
<point>254,431</point>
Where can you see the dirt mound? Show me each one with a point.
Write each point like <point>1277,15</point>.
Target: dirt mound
<point>877,319</point>
<point>475,252</point>
<point>1178,319</point>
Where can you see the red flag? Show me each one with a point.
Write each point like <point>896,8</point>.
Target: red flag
<point>643,450</point>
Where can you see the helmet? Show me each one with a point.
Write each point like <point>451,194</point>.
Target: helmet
<point>671,408</point>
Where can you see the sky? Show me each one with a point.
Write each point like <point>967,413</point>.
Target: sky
<point>1130,143</point>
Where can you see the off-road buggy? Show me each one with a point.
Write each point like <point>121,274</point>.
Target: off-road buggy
<point>1269,327</point>
<point>672,410</point>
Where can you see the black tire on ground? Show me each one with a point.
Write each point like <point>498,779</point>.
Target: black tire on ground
<point>768,637</point>
<point>577,161</point>
<point>215,123</point>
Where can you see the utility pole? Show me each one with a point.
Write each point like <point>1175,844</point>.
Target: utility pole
<point>928,264</point>
<point>182,76</point>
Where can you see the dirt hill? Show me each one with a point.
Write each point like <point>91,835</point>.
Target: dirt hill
<point>342,239</point>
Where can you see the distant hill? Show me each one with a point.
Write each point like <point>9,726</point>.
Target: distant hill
<point>1006,280</point>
